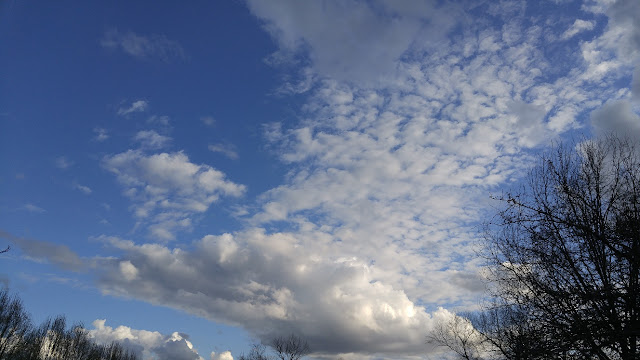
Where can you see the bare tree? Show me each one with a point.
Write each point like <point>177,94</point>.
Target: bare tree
<point>292,347</point>
<point>567,251</point>
<point>52,340</point>
<point>458,335</point>
<point>14,324</point>
<point>258,352</point>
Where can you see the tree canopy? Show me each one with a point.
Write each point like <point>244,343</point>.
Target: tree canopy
<point>564,259</point>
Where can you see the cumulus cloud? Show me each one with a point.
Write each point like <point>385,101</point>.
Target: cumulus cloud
<point>136,106</point>
<point>146,344</point>
<point>143,47</point>
<point>150,139</point>
<point>273,286</point>
<point>225,355</point>
<point>167,188</point>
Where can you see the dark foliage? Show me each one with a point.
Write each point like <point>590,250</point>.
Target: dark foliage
<point>291,347</point>
<point>566,255</point>
<point>564,258</point>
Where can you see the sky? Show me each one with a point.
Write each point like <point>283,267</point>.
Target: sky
<point>192,177</point>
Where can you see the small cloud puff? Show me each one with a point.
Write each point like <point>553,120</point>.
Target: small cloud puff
<point>150,139</point>
<point>578,27</point>
<point>85,189</point>
<point>101,134</point>
<point>63,163</point>
<point>208,120</point>
<point>136,106</point>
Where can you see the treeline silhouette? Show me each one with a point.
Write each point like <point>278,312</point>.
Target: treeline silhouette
<point>20,339</point>
<point>563,258</point>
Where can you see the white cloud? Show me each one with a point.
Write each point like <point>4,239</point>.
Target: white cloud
<point>227,150</point>
<point>257,279</point>
<point>208,120</point>
<point>85,189</point>
<point>159,120</point>
<point>578,26</point>
<point>136,106</point>
<point>225,355</point>
<point>33,208</point>
<point>101,134</point>
<point>167,189</point>
<point>63,163</point>
<point>376,223</point>
<point>374,227</point>
<point>146,344</point>
<point>143,47</point>
<point>150,139</point>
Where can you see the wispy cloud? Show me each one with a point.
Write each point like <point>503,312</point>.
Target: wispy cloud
<point>62,162</point>
<point>162,120</point>
<point>84,189</point>
<point>136,106</point>
<point>33,208</point>
<point>208,120</point>
<point>143,47</point>
<point>59,255</point>
<point>101,134</point>
<point>227,150</point>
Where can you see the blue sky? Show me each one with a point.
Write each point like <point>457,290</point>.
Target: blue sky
<point>189,177</point>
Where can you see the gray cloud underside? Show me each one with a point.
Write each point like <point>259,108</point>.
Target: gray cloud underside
<point>59,255</point>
